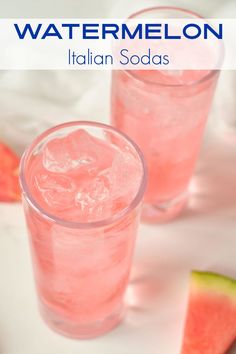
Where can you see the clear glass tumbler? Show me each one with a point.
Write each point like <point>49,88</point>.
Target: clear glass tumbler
<point>82,215</point>
<point>164,112</point>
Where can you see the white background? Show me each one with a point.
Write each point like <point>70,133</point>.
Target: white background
<point>204,237</point>
<point>61,52</point>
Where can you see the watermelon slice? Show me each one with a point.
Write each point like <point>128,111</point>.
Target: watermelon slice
<point>9,179</point>
<point>211,319</point>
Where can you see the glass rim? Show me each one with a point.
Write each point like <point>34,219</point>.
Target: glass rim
<point>73,224</point>
<point>130,73</point>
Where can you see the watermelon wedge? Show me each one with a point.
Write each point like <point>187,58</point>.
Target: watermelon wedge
<point>211,319</point>
<point>9,179</point>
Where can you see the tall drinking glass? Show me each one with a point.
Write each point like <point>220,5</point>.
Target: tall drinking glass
<point>82,187</point>
<point>164,112</point>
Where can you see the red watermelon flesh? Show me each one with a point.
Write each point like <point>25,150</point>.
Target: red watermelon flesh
<point>9,179</point>
<point>211,319</point>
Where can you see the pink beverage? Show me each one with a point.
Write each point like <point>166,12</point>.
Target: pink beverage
<point>82,185</point>
<point>164,112</point>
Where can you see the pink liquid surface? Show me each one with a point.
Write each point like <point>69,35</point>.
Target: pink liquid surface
<point>81,274</point>
<point>165,114</point>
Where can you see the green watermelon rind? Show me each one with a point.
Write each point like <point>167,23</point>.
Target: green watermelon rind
<point>213,282</point>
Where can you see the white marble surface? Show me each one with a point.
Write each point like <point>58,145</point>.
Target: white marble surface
<point>204,237</point>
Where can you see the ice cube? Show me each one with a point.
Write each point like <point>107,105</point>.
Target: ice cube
<point>94,199</point>
<point>100,188</point>
<point>78,150</point>
<point>62,155</point>
<point>56,190</point>
<point>126,174</point>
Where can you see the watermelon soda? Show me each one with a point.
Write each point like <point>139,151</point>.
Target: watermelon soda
<point>82,185</point>
<point>164,112</point>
